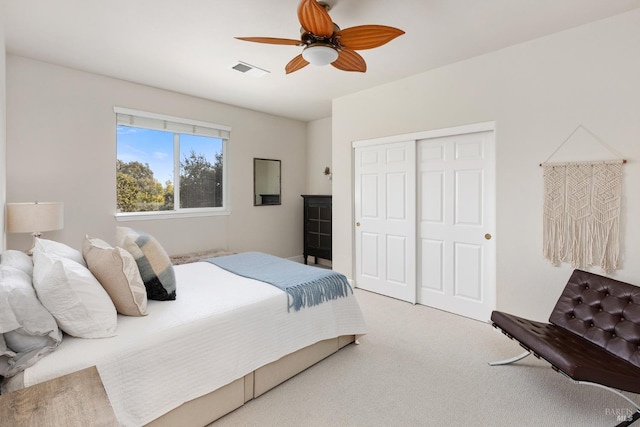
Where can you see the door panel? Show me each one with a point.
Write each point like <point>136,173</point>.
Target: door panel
<point>369,258</point>
<point>468,268</point>
<point>457,209</point>
<point>369,203</point>
<point>396,256</point>
<point>385,195</point>
<point>432,264</point>
<point>433,207</point>
<point>468,196</point>
<point>396,196</point>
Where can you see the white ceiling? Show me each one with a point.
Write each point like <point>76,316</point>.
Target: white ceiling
<point>188,46</point>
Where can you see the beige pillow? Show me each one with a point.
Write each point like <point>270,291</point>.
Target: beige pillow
<point>118,273</point>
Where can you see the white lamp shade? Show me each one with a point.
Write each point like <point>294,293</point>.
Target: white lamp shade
<point>319,54</point>
<point>34,217</point>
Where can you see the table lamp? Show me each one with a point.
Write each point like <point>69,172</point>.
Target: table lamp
<point>34,218</point>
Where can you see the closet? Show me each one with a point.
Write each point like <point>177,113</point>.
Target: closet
<point>424,207</point>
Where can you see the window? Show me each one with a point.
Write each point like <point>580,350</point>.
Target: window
<point>168,165</point>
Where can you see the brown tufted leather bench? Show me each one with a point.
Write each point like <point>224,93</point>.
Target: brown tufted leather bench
<point>593,334</point>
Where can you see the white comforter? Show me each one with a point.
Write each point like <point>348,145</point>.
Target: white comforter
<point>220,328</point>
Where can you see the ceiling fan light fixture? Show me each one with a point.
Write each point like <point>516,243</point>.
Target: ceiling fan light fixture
<point>319,54</point>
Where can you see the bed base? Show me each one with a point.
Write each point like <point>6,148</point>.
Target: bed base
<point>208,408</point>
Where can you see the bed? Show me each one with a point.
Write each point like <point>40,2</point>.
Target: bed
<point>224,340</point>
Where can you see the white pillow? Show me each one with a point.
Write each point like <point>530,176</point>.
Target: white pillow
<point>17,259</point>
<point>59,250</point>
<point>28,330</point>
<point>73,296</point>
<point>118,273</point>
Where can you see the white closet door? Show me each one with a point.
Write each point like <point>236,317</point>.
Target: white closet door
<point>456,222</point>
<point>385,193</point>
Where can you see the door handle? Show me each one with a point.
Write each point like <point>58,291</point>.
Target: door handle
<point>487,236</point>
<point>357,224</point>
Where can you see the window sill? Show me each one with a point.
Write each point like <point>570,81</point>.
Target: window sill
<point>147,216</point>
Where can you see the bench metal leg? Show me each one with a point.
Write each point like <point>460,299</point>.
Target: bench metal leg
<point>630,420</point>
<point>513,359</point>
<point>612,390</point>
<point>633,418</point>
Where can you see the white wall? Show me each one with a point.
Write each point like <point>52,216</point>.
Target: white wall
<point>61,146</point>
<point>318,156</point>
<point>537,92</point>
<point>3,133</point>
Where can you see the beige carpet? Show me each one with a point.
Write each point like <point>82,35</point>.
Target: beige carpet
<point>422,367</point>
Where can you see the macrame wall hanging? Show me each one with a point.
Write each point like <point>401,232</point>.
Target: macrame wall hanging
<point>581,214</point>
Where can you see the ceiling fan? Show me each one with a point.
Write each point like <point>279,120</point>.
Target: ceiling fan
<point>325,43</point>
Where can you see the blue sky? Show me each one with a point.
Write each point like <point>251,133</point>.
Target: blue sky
<point>155,147</point>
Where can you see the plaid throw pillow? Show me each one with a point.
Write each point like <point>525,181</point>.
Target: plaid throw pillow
<point>153,262</point>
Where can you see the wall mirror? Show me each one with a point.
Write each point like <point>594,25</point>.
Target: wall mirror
<point>266,182</point>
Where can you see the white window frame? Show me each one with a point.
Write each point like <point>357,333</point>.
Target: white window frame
<point>154,121</point>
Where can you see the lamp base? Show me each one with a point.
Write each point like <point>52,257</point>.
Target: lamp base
<point>36,235</point>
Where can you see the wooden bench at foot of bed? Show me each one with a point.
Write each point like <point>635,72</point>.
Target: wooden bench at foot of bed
<point>208,408</point>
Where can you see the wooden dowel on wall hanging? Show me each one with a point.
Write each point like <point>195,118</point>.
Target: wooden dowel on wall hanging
<point>603,161</point>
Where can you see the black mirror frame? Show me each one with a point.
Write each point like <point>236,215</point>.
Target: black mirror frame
<point>266,199</point>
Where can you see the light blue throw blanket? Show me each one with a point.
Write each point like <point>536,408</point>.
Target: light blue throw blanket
<point>305,286</point>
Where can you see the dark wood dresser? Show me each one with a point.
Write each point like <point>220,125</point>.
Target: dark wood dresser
<point>317,227</point>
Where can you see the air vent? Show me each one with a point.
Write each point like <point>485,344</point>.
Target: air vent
<point>252,70</point>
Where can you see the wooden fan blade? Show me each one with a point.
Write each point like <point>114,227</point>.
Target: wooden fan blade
<point>271,40</point>
<point>349,60</point>
<point>295,64</point>
<point>367,36</point>
<point>315,19</point>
